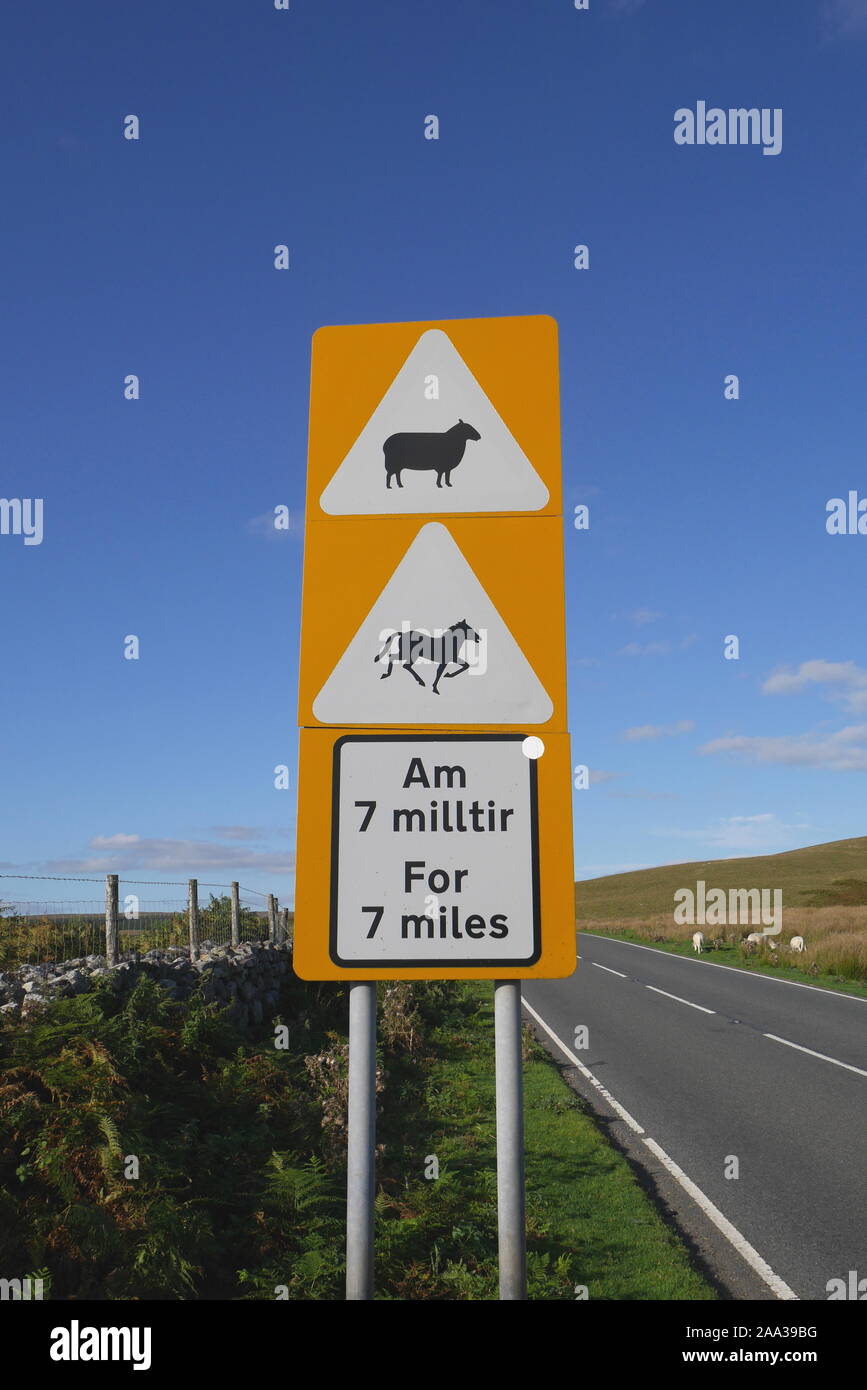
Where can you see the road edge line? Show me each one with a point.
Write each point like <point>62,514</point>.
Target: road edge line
<point>747,1252</point>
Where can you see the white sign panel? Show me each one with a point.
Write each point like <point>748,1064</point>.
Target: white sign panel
<point>435,855</point>
<point>435,443</point>
<point>433,650</point>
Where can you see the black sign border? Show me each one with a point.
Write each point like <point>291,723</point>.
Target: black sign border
<point>403,964</point>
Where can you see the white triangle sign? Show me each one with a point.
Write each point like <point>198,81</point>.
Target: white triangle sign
<point>422,452</point>
<point>433,650</point>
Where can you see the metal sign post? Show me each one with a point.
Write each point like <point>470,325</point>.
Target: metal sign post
<point>510,1140</point>
<point>361,1141</point>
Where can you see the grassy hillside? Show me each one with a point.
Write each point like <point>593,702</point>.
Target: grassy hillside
<point>824,896</point>
<point>819,876</point>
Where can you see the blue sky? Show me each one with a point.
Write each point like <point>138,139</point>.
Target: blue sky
<point>261,127</point>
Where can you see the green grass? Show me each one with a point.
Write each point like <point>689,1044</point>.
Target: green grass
<point>588,1221</point>
<point>729,955</point>
<point>820,875</point>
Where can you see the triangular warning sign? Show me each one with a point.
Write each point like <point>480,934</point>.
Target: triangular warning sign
<point>434,443</point>
<point>433,650</point>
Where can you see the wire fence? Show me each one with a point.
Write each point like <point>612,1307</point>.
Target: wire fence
<point>126,922</point>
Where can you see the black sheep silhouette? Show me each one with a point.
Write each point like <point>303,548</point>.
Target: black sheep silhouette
<point>439,453</point>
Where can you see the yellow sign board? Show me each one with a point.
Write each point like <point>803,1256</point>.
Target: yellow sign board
<point>434,821</point>
<point>428,856</point>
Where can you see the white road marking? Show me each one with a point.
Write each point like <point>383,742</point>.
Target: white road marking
<point>610,971</point>
<point>615,1104</point>
<point>731,1233</point>
<point>750,974</point>
<point>747,1252</point>
<point>821,1055</point>
<point>679,1000</point>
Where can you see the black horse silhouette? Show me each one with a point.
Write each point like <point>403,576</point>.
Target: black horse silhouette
<point>439,453</point>
<point>441,651</point>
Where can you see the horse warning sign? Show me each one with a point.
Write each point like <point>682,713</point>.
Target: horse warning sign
<point>435,852</point>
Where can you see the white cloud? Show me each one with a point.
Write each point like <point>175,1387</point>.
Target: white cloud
<point>647,731</point>
<point>128,854</point>
<point>845,682</point>
<point>846,19</point>
<point>843,751</point>
<point>656,648</point>
<point>755,834</point>
<point>644,615</point>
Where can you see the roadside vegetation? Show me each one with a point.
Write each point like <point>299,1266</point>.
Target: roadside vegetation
<point>824,895</point>
<point>239,1148</point>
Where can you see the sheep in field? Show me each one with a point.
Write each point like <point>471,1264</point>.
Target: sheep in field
<point>698,941</point>
<point>797,944</point>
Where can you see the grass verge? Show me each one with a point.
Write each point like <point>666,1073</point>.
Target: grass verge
<point>731,955</point>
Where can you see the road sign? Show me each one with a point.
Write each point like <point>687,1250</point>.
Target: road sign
<point>450,857</point>
<point>433,650</point>
<point>432,646</point>
<point>435,418</point>
<point>385,602</point>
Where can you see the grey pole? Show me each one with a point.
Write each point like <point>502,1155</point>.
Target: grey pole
<point>193,914</point>
<point>361,1141</point>
<point>510,1140</point>
<point>111,947</point>
<point>272,917</point>
<point>236,915</point>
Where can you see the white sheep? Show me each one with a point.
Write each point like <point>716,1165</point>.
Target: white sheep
<point>755,937</point>
<point>698,941</point>
<point>797,944</point>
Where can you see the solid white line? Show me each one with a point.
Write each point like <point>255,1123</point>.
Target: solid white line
<point>750,974</point>
<point>821,1055</point>
<point>608,968</point>
<point>615,1104</point>
<point>679,1000</point>
<point>731,1233</point>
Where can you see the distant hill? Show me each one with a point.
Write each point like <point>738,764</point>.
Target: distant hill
<point>818,876</point>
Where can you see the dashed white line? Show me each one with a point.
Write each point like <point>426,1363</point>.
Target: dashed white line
<point>747,1252</point>
<point>679,1000</point>
<point>610,971</point>
<point>821,1055</point>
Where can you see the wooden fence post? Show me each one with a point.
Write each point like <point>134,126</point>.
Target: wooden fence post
<point>272,917</point>
<point>284,933</point>
<point>236,915</point>
<point>193,903</point>
<point>111,951</point>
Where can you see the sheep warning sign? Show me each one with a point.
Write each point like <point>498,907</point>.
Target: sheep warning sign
<point>450,857</point>
<point>435,429</point>
<point>455,417</point>
<point>434,784</point>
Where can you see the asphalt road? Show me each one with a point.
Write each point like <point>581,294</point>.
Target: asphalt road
<point>707,1085</point>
